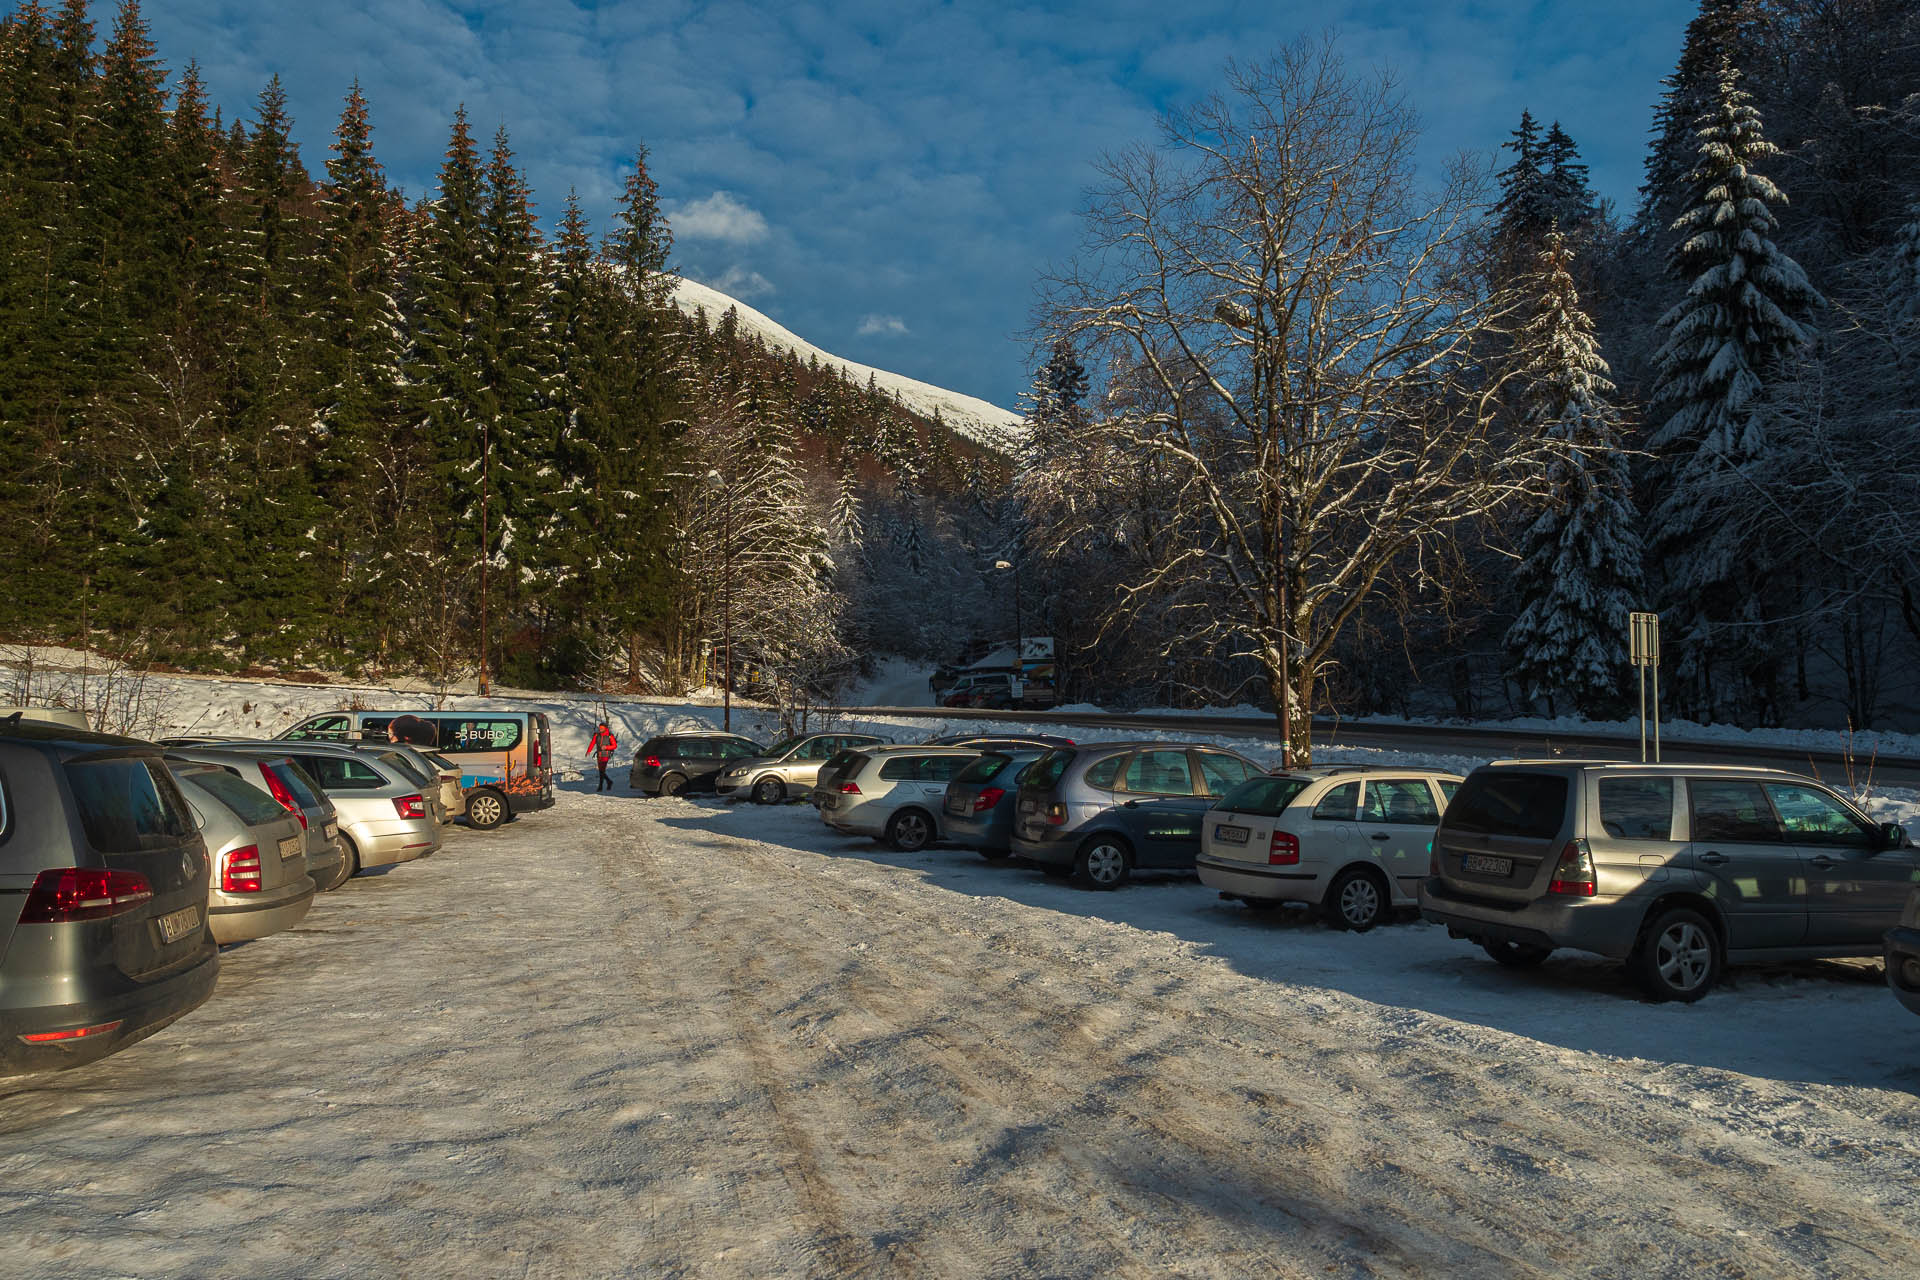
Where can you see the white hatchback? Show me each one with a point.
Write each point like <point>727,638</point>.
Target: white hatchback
<point>895,794</point>
<point>1354,842</point>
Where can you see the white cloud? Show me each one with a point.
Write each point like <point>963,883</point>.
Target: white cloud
<point>718,217</point>
<point>743,283</point>
<point>884,326</point>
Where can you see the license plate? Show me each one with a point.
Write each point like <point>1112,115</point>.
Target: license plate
<point>176,925</point>
<point>956,804</point>
<point>289,847</point>
<point>1481,864</point>
<point>333,830</point>
<point>1231,835</point>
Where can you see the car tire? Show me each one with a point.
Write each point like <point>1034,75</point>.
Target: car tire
<point>349,865</point>
<point>1515,955</point>
<point>1103,862</point>
<point>486,809</point>
<point>769,791</point>
<point>1677,956</point>
<point>1357,900</point>
<point>909,831</point>
<point>673,785</point>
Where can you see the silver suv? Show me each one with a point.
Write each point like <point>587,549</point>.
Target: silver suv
<point>1678,870</point>
<point>790,767</point>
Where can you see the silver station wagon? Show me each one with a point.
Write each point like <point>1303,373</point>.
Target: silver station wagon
<point>1678,870</point>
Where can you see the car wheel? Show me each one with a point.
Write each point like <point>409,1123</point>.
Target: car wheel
<point>1515,955</point>
<point>486,809</point>
<point>673,785</point>
<point>769,791</point>
<point>1103,862</point>
<point>1356,900</point>
<point>909,831</point>
<point>349,865</point>
<point>1678,956</point>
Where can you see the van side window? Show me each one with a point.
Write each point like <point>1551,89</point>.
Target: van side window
<point>1812,816</point>
<point>1160,773</point>
<point>1731,809</point>
<point>1637,808</point>
<point>1341,804</point>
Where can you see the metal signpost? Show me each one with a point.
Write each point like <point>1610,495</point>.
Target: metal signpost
<point>1643,631</point>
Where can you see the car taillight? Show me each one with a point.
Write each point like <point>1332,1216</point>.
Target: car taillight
<point>651,762</point>
<point>1573,874</point>
<point>538,756</point>
<point>987,799</point>
<point>72,1033</point>
<point>278,790</point>
<point>410,806</point>
<point>240,870</point>
<point>1283,850</point>
<point>66,894</point>
<point>849,788</point>
<point>1433,859</point>
<point>1056,815</point>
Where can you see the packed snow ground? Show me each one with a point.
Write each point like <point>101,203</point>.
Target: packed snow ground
<point>674,1037</point>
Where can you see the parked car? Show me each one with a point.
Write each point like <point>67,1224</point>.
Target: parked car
<point>1903,954</point>
<point>1678,870</point>
<point>505,757</point>
<point>1102,810</point>
<point>1354,842</point>
<point>258,884</point>
<point>977,811</point>
<point>827,782</point>
<point>288,786</point>
<point>66,716</point>
<point>452,793</point>
<point>108,942</point>
<point>384,816</point>
<point>434,771</point>
<point>895,794</point>
<point>678,762</point>
<point>789,767</point>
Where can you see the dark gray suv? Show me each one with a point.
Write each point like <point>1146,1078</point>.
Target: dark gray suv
<point>1676,869</point>
<point>103,898</point>
<point>1100,810</point>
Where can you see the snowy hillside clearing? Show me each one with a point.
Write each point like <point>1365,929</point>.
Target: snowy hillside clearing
<point>680,1038</point>
<point>978,420</point>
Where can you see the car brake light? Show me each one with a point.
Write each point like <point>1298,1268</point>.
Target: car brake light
<point>65,894</point>
<point>987,799</point>
<point>72,1033</point>
<point>240,870</point>
<point>1573,874</point>
<point>1283,850</point>
<point>537,756</point>
<point>849,789</point>
<point>1056,815</point>
<point>1433,859</point>
<point>410,806</point>
<point>278,790</point>
<point>651,762</point>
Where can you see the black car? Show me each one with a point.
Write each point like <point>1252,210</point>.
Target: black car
<point>669,765</point>
<point>103,897</point>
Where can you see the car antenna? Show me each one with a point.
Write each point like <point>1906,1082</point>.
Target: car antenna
<point>13,721</point>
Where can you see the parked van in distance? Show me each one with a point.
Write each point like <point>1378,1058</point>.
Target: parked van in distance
<point>505,757</point>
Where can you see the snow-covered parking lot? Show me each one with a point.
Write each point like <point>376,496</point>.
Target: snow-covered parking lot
<point>660,1037</point>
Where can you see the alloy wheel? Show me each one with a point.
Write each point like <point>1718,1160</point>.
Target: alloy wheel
<point>1684,955</point>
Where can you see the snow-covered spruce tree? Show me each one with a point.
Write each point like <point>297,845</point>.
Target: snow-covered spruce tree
<point>1722,29</point>
<point>1743,313</point>
<point>1579,572</point>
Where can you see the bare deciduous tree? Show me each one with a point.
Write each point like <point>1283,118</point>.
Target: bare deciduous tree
<point>1291,331</point>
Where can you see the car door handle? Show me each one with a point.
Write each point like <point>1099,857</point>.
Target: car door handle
<point>1822,862</point>
<point>1381,835</point>
<point>1715,859</point>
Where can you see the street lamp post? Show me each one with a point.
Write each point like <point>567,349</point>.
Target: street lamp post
<point>715,479</point>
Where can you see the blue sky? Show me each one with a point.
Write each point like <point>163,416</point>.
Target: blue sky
<point>886,177</point>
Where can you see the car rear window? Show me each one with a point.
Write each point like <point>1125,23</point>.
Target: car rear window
<point>1496,802</point>
<point>405,768</point>
<point>336,773</point>
<point>249,803</point>
<point>305,790</point>
<point>658,747</point>
<point>1264,797</point>
<point>1047,771</point>
<point>127,806</point>
<point>985,769</point>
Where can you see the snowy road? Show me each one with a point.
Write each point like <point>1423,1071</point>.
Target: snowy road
<point>634,1037</point>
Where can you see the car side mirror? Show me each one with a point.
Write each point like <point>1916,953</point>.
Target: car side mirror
<point>1892,836</point>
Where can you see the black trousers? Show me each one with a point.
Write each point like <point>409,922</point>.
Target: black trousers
<point>605,782</point>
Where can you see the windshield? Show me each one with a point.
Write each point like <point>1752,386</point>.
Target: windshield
<point>1262,797</point>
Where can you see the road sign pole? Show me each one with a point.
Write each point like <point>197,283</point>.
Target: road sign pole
<point>1643,651</point>
<point>1656,706</point>
<point>1641,671</point>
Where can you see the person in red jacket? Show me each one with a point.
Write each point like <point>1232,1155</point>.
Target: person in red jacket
<point>602,747</point>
